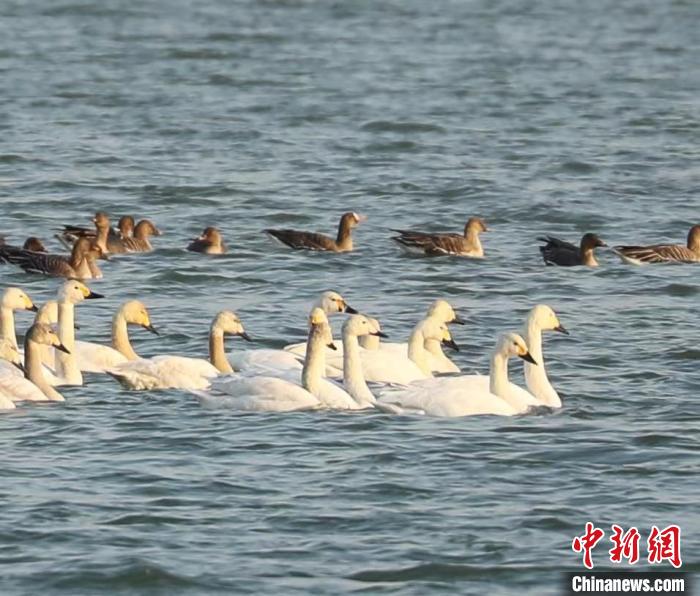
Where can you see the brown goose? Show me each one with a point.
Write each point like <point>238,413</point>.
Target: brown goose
<point>663,253</point>
<point>140,242</point>
<point>466,245</point>
<point>79,265</point>
<point>314,241</point>
<point>31,244</point>
<point>210,243</point>
<point>110,240</point>
<point>563,253</point>
<point>34,244</point>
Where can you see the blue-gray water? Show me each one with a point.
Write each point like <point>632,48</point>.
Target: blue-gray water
<point>542,117</point>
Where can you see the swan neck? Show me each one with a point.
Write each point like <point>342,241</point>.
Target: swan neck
<point>217,354</point>
<point>7,325</point>
<point>66,365</point>
<point>120,337</point>
<point>370,342</point>
<point>434,347</point>
<point>34,372</point>
<point>353,376</point>
<point>417,352</point>
<point>536,375</point>
<point>498,378</point>
<point>315,362</point>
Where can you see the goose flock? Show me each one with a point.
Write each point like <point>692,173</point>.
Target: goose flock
<point>358,371</point>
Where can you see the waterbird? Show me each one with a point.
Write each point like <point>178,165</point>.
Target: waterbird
<point>663,253</point>
<point>465,245</point>
<point>565,254</point>
<point>315,241</point>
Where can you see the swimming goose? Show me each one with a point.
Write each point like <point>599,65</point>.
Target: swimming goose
<point>663,253</point>
<point>72,292</point>
<point>33,386</point>
<point>179,372</point>
<point>466,395</point>
<point>280,394</point>
<point>97,358</point>
<point>79,265</point>
<point>12,299</point>
<point>466,245</point>
<point>111,240</point>
<point>209,242</point>
<point>34,244</point>
<point>315,241</point>
<point>563,253</point>
<point>140,242</point>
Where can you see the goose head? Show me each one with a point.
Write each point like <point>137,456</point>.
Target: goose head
<point>87,248</point>
<point>9,352</point>
<point>136,313</point>
<point>475,225</point>
<point>74,292</point>
<point>146,228</point>
<point>351,219</point>
<point>359,325</point>
<point>34,244</point>
<point>694,239</point>
<point>41,333</point>
<point>511,344</point>
<point>543,317</point>
<point>126,226</point>
<point>211,235</point>
<point>228,322</point>
<point>318,323</point>
<point>332,302</point>
<point>16,299</point>
<point>101,220</point>
<point>443,311</point>
<point>589,241</point>
<point>433,329</point>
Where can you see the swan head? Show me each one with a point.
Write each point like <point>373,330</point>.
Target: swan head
<point>136,313</point>
<point>359,325</point>
<point>74,292</point>
<point>475,225</point>
<point>332,302</point>
<point>318,323</point>
<point>41,333</point>
<point>442,310</point>
<point>543,317</point>
<point>9,352</point>
<point>228,322</point>
<point>512,344</point>
<point>146,228</point>
<point>433,329</point>
<point>48,313</point>
<point>16,299</point>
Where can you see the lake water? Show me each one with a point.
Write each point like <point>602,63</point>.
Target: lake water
<point>542,117</point>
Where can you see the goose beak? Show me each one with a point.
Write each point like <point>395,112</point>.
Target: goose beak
<point>361,218</point>
<point>33,308</point>
<point>20,366</point>
<point>245,336</point>
<point>152,329</point>
<point>93,295</point>
<point>528,358</point>
<point>62,348</point>
<point>458,320</point>
<point>379,334</point>
<point>561,329</point>
<point>450,343</point>
<point>350,310</point>
<point>331,346</point>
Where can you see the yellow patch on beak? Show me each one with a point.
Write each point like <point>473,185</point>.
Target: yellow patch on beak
<point>85,290</point>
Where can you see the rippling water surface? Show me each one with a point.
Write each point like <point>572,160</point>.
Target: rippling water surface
<point>542,117</point>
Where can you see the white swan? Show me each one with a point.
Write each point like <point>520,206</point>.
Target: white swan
<point>440,310</point>
<point>310,391</point>
<point>97,358</point>
<point>12,299</point>
<point>273,361</point>
<point>465,395</point>
<point>179,372</point>
<point>72,292</point>
<point>33,386</point>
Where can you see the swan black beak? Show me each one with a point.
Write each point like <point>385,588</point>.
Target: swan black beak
<point>379,334</point>
<point>245,336</point>
<point>528,358</point>
<point>561,329</point>
<point>458,320</point>
<point>33,308</point>
<point>350,310</point>
<point>331,346</point>
<point>152,329</point>
<point>20,366</point>
<point>93,295</point>
<point>450,343</point>
<point>62,348</point>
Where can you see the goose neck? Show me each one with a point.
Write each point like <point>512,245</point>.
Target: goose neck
<point>344,238</point>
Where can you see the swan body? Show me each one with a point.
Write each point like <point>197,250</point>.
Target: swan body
<point>466,395</point>
<point>179,372</point>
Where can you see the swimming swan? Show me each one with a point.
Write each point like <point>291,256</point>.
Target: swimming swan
<point>465,395</point>
<point>12,299</point>
<point>179,372</point>
<point>97,358</point>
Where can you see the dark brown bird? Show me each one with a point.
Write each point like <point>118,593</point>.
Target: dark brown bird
<point>34,244</point>
<point>210,242</point>
<point>315,241</point>
<point>663,253</point>
<point>466,245</point>
<point>79,265</point>
<point>565,254</point>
